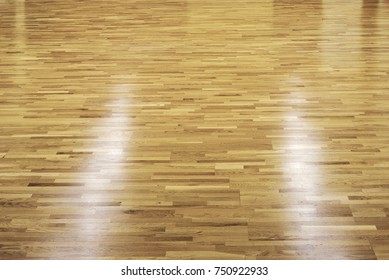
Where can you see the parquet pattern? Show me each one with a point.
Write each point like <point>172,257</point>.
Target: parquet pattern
<point>194,129</point>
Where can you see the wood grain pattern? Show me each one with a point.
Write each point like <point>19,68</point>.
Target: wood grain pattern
<point>194,129</point>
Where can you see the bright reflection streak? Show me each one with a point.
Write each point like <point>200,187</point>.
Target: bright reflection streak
<point>301,151</point>
<point>304,173</point>
<point>109,149</point>
<point>106,163</point>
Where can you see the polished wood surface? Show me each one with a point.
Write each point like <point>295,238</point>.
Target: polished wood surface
<point>194,129</point>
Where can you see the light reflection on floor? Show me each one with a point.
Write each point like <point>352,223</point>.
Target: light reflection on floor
<point>106,163</point>
<point>300,163</point>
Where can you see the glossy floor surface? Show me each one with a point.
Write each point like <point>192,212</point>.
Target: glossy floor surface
<point>194,129</point>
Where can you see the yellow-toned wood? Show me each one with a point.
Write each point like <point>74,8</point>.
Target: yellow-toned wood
<point>194,129</point>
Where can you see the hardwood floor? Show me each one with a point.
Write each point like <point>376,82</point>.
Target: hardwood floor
<point>194,129</point>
